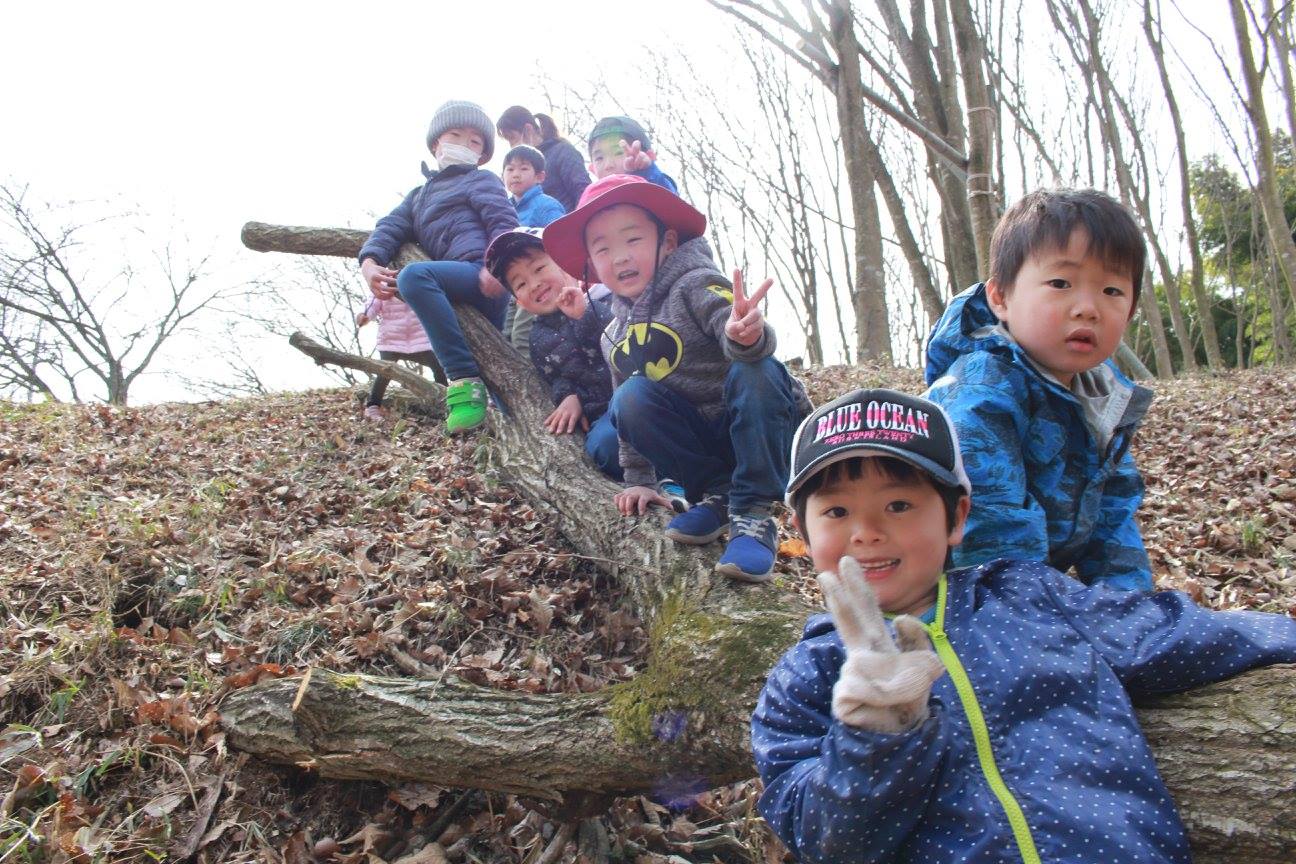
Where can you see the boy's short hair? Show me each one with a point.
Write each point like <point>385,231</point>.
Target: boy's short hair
<point>1046,219</point>
<point>527,153</point>
<point>908,436</point>
<point>891,468</point>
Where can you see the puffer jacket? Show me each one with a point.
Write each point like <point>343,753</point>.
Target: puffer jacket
<point>453,217</point>
<point>399,329</point>
<point>565,173</point>
<point>1031,751</point>
<point>1052,476</point>
<point>535,209</point>
<point>569,356</point>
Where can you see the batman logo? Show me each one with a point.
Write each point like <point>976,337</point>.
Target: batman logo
<point>653,349</point>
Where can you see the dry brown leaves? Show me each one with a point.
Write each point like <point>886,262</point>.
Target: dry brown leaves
<point>152,560</point>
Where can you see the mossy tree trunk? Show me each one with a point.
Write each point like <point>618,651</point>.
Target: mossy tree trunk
<point>1228,752</point>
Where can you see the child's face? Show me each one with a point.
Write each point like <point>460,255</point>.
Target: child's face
<point>622,246</point>
<point>536,281</point>
<point>607,156</point>
<point>464,137</point>
<point>1066,308</point>
<point>519,176</point>
<point>895,529</point>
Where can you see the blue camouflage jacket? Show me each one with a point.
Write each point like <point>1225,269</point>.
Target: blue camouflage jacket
<point>453,217</point>
<point>1031,751</point>
<point>1052,476</point>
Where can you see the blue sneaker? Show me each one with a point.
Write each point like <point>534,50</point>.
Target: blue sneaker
<point>674,493</point>
<point>749,557</point>
<point>702,523</point>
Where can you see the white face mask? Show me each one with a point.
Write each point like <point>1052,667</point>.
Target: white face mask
<point>455,154</point>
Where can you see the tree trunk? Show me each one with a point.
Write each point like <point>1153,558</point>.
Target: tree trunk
<point>873,332</point>
<point>1198,277</point>
<point>981,125</point>
<point>1270,200</point>
<point>680,726</point>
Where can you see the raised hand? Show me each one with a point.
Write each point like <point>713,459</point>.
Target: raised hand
<point>746,323</point>
<point>381,280</point>
<point>572,302</point>
<point>636,158</point>
<point>882,688</point>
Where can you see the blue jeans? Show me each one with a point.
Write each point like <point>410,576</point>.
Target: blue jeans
<point>429,287</point>
<point>744,452</point>
<point>602,446</point>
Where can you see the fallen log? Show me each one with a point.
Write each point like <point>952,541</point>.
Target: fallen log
<point>1227,752</point>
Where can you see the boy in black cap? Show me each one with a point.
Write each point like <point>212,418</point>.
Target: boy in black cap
<point>1028,749</point>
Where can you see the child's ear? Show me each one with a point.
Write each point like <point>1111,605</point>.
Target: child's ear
<point>995,296</point>
<point>961,510</point>
<point>540,176</point>
<point>796,523</point>
<point>670,242</point>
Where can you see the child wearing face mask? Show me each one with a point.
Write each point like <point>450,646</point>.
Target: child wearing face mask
<point>453,216</point>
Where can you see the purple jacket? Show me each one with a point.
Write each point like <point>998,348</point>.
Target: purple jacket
<point>399,329</point>
<point>453,217</point>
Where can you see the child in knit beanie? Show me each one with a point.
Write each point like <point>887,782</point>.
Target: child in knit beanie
<point>452,216</point>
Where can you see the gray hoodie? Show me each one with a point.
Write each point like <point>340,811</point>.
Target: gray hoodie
<point>674,332</point>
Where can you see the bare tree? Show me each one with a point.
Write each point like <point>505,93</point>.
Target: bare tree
<point>67,319</point>
<point>1266,171</point>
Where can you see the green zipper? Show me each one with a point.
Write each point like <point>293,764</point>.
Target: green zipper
<point>944,650</point>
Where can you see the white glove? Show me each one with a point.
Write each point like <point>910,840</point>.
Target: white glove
<point>882,688</point>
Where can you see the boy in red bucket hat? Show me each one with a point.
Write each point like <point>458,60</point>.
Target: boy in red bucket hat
<point>699,395</point>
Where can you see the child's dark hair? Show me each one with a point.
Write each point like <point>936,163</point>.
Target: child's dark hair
<point>1046,218</point>
<point>893,469</point>
<point>527,153</point>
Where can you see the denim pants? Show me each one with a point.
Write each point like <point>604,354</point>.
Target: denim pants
<point>744,452</point>
<point>602,446</point>
<point>429,287</point>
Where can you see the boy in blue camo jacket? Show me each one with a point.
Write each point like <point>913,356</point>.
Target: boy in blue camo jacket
<point>1015,739</point>
<point>1022,364</point>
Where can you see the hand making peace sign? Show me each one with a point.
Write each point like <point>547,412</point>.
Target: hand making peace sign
<point>746,323</point>
<point>883,687</point>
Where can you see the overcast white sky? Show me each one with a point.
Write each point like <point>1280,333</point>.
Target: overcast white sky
<point>297,113</point>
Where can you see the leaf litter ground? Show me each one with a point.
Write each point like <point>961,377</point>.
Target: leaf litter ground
<point>152,560</point>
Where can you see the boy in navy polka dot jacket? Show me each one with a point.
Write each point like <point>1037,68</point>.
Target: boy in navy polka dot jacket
<point>1015,738</point>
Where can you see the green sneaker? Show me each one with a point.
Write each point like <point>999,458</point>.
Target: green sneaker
<point>466,400</point>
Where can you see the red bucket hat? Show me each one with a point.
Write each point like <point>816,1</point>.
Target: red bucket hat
<point>564,239</point>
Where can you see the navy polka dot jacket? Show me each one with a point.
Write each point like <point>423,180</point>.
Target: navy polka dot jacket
<point>1031,751</point>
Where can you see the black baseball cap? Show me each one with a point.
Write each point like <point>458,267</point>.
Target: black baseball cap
<point>509,245</point>
<point>878,423</point>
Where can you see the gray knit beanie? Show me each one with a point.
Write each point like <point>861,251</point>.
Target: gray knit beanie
<point>470,115</point>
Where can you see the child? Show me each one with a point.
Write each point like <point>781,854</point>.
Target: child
<point>565,174</point>
<point>400,337</point>
<point>619,145</point>
<point>524,171</point>
<point>1028,749</point>
<point>698,395</point>
<point>565,340</point>
<point>1021,363</point>
<point>453,216</point>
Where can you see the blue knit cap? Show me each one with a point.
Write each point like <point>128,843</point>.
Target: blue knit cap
<point>469,115</point>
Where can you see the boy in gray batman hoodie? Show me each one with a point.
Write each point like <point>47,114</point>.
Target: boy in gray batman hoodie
<point>699,395</point>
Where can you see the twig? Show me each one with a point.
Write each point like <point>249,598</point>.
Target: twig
<point>556,845</point>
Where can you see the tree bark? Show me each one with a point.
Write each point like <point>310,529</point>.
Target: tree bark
<point>680,726</point>
<point>981,125</point>
<point>1271,203</point>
